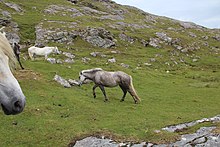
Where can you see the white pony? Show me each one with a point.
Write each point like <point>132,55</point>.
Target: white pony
<point>12,99</point>
<point>45,51</point>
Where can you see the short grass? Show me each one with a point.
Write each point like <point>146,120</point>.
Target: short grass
<point>55,115</point>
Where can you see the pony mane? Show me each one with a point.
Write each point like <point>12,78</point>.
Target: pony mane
<point>5,48</point>
<point>91,70</point>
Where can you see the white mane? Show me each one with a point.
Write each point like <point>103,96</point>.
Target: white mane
<point>91,70</point>
<point>6,49</point>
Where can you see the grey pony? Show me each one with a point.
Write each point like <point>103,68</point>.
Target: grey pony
<point>103,78</point>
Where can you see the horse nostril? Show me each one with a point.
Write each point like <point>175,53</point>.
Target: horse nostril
<point>17,104</point>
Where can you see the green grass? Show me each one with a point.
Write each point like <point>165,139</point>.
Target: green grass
<point>55,115</point>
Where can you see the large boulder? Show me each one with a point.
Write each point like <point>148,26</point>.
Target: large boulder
<point>98,37</point>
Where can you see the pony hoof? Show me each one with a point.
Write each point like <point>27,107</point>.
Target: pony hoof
<point>106,100</point>
<point>122,100</point>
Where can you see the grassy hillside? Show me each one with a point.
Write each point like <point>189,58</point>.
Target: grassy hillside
<point>170,94</point>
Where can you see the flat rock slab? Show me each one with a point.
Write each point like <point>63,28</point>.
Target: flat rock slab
<point>203,137</point>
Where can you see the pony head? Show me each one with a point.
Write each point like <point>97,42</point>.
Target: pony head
<point>85,74</point>
<point>12,99</point>
<point>55,50</point>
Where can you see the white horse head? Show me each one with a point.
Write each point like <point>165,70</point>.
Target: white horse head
<point>12,98</point>
<point>55,50</point>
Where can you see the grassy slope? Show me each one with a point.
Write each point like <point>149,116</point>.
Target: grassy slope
<point>54,115</point>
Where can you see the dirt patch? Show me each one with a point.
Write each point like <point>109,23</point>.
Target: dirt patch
<point>27,74</point>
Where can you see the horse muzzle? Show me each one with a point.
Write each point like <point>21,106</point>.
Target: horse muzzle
<point>16,107</point>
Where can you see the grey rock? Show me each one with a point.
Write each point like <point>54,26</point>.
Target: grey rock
<point>45,35</point>
<point>190,124</point>
<point>59,61</point>
<point>14,6</point>
<point>95,142</point>
<point>98,37</point>
<point>69,60</point>
<point>154,42</point>
<point>191,34</point>
<point>95,54</point>
<point>202,137</point>
<point>199,140</point>
<point>90,11</point>
<point>69,55</point>
<point>164,37</point>
<point>124,65</point>
<point>12,37</point>
<point>74,82</point>
<point>216,37</point>
<point>6,14</point>
<point>113,60</point>
<point>86,59</point>
<point>62,10</point>
<point>62,81</point>
<point>145,43</point>
<point>195,60</point>
<point>189,25</point>
<point>51,60</point>
<point>152,60</point>
<point>124,37</point>
<point>112,17</point>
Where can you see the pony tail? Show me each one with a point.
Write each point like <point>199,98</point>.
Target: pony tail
<point>133,91</point>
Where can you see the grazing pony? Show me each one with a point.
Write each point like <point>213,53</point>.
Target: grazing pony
<point>12,99</point>
<point>45,51</point>
<point>103,79</point>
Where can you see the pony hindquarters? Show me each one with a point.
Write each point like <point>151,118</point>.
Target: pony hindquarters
<point>126,85</point>
<point>12,98</point>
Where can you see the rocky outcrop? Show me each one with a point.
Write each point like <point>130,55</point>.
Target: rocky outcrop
<point>11,29</point>
<point>204,136</point>
<point>51,34</point>
<point>63,11</point>
<point>126,38</point>
<point>98,37</point>
<point>179,127</point>
<point>14,6</point>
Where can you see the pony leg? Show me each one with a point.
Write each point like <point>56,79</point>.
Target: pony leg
<point>124,91</point>
<point>19,62</point>
<point>103,91</point>
<point>30,55</point>
<point>134,97</point>
<point>93,89</point>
